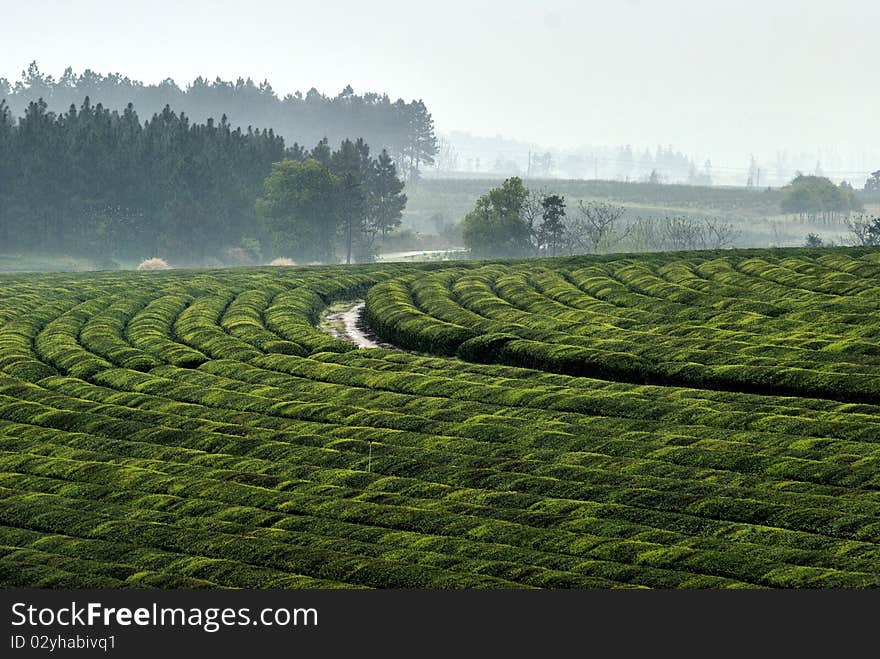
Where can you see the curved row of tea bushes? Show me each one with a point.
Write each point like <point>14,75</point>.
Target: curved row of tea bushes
<point>391,313</point>
<point>243,319</point>
<point>804,329</point>
<point>195,429</point>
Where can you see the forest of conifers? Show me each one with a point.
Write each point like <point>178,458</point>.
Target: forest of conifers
<point>107,184</point>
<point>95,182</point>
<point>404,129</point>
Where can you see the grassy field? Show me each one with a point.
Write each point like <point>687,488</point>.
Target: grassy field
<point>754,211</point>
<point>679,420</point>
<point>452,198</point>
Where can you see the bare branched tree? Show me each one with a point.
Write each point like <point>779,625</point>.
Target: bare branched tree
<point>643,235</point>
<point>531,214</point>
<point>720,234</point>
<point>594,226</point>
<point>865,230</point>
<point>681,232</point>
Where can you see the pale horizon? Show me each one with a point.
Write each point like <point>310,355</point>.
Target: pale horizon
<point>711,79</point>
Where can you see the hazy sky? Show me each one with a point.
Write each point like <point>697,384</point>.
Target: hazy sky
<point>711,77</point>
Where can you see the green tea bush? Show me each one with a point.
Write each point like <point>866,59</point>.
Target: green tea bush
<point>692,420</point>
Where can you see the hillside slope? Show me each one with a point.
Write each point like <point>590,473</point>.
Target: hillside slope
<point>195,429</point>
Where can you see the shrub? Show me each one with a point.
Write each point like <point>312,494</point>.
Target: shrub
<point>487,348</point>
<point>153,264</point>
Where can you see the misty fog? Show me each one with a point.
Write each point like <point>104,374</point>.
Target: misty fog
<point>675,112</point>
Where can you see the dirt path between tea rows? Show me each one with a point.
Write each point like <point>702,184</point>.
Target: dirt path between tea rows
<point>345,321</point>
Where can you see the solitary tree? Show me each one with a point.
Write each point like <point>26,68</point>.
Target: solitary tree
<point>531,213</point>
<point>816,197</point>
<point>298,209</point>
<point>421,143</point>
<point>496,227</point>
<point>594,226</point>
<point>385,198</point>
<point>552,230</point>
<point>814,240</point>
<point>682,232</point>
<point>352,167</point>
<point>719,234</point>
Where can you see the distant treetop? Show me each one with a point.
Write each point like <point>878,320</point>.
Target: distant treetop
<point>816,197</point>
<point>404,129</point>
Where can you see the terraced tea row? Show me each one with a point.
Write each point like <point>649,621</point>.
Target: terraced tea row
<point>178,429</point>
<point>786,322</point>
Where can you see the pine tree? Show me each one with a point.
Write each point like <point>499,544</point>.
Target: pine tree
<point>100,183</point>
<point>385,198</point>
<point>351,165</point>
<point>552,230</point>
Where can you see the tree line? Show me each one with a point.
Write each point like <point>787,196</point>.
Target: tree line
<point>404,129</point>
<point>102,184</point>
<point>318,202</point>
<point>817,199</point>
<point>512,221</point>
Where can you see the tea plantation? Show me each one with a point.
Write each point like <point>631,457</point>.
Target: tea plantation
<point>685,420</point>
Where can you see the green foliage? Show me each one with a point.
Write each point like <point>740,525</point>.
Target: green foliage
<point>404,129</point>
<point>865,230</point>
<point>696,321</point>
<point>326,199</point>
<point>105,184</point>
<point>496,226</point>
<point>817,196</point>
<point>552,229</point>
<point>486,348</point>
<point>453,198</point>
<point>101,184</point>
<point>813,240</point>
<point>196,430</point>
<point>386,199</point>
<point>299,210</point>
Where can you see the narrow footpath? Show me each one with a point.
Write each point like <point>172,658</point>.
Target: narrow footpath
<point>345,321</point>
